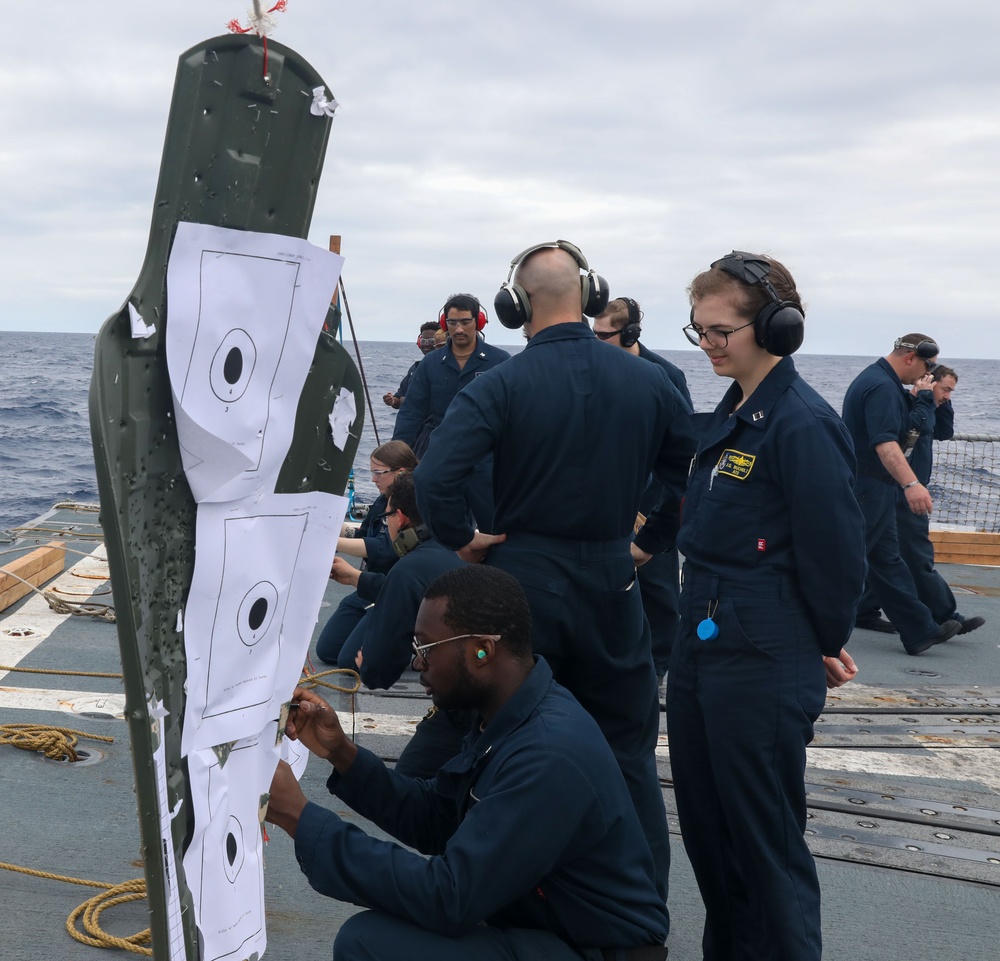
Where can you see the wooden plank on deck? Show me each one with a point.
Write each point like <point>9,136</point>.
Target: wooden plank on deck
<point>966,547</point>
<point>37,568</point>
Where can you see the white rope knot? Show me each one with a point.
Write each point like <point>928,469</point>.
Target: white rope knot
<point>321,104</point>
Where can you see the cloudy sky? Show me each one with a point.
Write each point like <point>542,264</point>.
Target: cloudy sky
<point>859,142</point>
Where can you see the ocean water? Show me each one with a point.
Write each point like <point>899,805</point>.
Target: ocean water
<point>45,450</point>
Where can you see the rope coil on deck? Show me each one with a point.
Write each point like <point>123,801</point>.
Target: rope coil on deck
<point>79,608</point>
<point>60,744</point>
<point>92,908</point>
<point>57,743</point>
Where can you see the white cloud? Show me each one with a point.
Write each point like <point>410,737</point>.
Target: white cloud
<point>855,141</point>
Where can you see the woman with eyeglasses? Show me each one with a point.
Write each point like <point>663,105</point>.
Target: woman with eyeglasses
<point>373,544</point>
<point>773,541</point>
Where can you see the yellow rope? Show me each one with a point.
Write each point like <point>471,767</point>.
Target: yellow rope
<point>313,680</point>
<point>91,913</point>
<point>46,670</point>
<point>92,908</point>
<point>60,744</point>
<point>57,743</point>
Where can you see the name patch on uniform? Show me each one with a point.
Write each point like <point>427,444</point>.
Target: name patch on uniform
<point>734,463</point>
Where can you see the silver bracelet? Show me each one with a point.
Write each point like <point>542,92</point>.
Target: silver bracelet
<point>911,484</point>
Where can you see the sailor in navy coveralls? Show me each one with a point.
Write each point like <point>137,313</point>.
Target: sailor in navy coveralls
<point>932,418</point>
<point>877,412</point>
<point>619,325</point>
<point>773,541</point>
<point>438,378</point>
<point>575,430</point>
<point>530,847</point>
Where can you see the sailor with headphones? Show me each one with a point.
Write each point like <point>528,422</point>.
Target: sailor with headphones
<point>620,324</point>
<point>877,413</point>
<point>574,429</point>
<point>773,546</point>
<point>436,381</point>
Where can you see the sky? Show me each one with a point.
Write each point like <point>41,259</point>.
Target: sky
<point>857,142</point>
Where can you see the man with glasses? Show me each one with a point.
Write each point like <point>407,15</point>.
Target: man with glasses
<point>442,374</point>
<point>620,325</point>
<point>528,844</point>
<point>877,413</point>
<point>425,344</point>
<point>436,381</point>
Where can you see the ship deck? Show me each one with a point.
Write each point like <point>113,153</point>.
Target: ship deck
<point>903,781</point>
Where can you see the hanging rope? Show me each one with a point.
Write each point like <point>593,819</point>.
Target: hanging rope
<point>309,680</point>
<point>361,366</point>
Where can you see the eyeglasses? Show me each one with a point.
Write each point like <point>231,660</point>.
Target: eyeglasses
<point>420,650</point>
<point>606,334</point>
<point>716,336</point>
<point>379,473</point>
<point>386,514</point>
<point>460,321</point>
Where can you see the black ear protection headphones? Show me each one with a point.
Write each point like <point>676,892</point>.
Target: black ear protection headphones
<point>513,306</point>
<point>926,350</point>
<point>630,332</point>
<point>780,325</point>
<point>481,319</point>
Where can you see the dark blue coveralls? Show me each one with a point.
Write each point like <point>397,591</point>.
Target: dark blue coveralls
<point>534,849</point>
<point>575,430</point>
<point>404,384</point>
<point>385,639</point>
<point>379,559</point>
<point>913,530</point>
<point>773,541</point>
<point>876,410</point>
<point>658,577</point>
<point>435,383</point>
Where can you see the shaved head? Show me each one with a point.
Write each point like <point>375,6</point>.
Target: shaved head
<point>551,278</point>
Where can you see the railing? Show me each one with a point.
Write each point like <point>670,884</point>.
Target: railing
<point>965,482</point>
